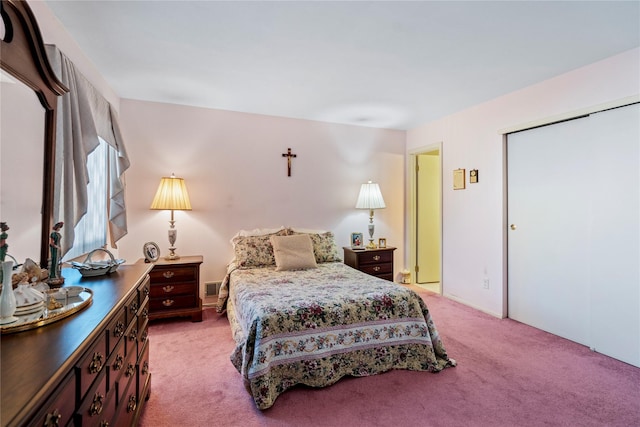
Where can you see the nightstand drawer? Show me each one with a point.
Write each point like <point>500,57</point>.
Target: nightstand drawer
<point>172,289</point>
<point>173,274</point>
<point>372,257</point>
<point>377,269</point>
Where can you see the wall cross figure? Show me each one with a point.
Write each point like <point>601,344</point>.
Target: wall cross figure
<point>289,155</point>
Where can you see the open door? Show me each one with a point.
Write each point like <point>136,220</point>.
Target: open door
<point>428,217</point>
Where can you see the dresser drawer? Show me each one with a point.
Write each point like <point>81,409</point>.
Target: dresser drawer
<point>60,407</point>
<point>173,302</point>
<point>98,407</point>
<point>92,365</point>
<point>172,289</point>
<point>171,274</point>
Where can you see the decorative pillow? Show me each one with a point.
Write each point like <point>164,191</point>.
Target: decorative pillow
<point>255,251</point>
<point>324,246</point>
<point>293,252</point>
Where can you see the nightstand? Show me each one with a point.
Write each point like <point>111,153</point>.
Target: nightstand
<point>175,288</point>
<point>376,262</point>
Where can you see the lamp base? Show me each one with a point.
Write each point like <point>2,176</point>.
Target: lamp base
<point>372,245</point>
<point>172,255</point>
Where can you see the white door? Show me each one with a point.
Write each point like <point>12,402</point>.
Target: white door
<point>547,246</point>
<point>574,237</point>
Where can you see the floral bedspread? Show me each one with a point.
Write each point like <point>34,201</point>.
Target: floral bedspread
<point>315,326</point>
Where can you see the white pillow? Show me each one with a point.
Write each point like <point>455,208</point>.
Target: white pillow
<point>293,252</point>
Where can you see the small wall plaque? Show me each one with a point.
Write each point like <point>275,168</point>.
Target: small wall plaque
<point>458,179</point>
<point>473,176</point>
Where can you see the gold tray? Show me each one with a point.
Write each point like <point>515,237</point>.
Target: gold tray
<point>46,316</point>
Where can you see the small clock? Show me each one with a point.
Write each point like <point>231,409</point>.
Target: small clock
<point>473,176</point>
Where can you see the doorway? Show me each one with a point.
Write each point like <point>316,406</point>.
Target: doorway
<point>426,223</point>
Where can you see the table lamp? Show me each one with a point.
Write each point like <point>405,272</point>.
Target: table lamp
<point>370,198</point>
<point>172,195</point>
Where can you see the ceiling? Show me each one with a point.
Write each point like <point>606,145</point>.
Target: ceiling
<point>381,64</point>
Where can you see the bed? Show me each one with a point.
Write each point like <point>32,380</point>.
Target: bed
<point>307,318</point>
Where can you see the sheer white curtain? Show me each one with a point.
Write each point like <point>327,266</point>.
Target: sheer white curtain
<point>84,116</point>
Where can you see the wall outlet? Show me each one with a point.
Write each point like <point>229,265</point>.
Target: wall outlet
<point>485,283</point>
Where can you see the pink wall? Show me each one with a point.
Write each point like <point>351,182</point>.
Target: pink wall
<point>237,178</point>
<point>474,220</point>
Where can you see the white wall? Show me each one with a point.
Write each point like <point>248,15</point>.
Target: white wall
<point>237,178</point>
<point>474,218</point>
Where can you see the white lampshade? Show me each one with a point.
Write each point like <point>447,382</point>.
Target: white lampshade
<point>370,197</point>
<point>171,195</point>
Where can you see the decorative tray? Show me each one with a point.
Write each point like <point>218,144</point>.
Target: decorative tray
<point>90,268</point>
<point>32,319</point>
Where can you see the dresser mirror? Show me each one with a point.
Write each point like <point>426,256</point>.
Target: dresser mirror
<point>28,117</point>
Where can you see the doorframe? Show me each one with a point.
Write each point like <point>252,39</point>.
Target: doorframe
<point>411,207</point>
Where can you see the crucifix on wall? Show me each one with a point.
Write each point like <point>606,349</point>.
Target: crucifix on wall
<point>289,155</point>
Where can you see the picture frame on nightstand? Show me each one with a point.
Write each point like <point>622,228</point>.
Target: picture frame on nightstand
<point>382,243</point>
<point>151,252</point>
<point>357,241</point>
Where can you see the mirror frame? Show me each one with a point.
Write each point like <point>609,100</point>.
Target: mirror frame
<point>23,55</point>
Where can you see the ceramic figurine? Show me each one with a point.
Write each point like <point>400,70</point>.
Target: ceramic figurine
<point>7,297</point>
<point>55,278</point>
<point>3,240</point>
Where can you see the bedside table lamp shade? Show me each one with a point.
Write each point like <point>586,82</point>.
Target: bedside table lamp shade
<point>370,198</point>
<point>172,195</point>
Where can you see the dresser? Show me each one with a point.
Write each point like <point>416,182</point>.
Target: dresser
<point>175,288</point>
<point>89,369</point>
<point>376,262</point>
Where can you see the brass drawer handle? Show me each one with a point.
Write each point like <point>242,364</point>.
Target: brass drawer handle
<point>376,257</point>
<point>133,403</point>
<point>52,419</point>
<point>168,288</point>
<point>376,268</point>
<point>118,363</point>
<point>145,313</point>
<point>134,308</point>
<point>144,336</point>
<point>131,370</point>
<point>145,368</point>
<point>118,331</point>
<point>168,274</point>
<point>168,302</point>
<point>146,291</point>
<point>96,406</point>
<point>96,363</point>
<point>133,336</point>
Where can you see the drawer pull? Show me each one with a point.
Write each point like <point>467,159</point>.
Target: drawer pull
<point>376,257</point>
<point>168,288</point>
<point>145,313</point>
<point>145,368</point>
<point>133,403</point>
<point>131,370</point>
<point>168,274</point>
<point>168,302</point>
<point>133,308</point>
<point>146,291</point>
<point>96,405</point>
<point>133,336</point>
<point>143,338</point>
<point>52,419</point>
<point>118,363</point>
<point>118,331</point>
<point>96,363</point>
<point>376,268</point>
<point>104,423</point>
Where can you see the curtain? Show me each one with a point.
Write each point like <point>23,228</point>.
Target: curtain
<point>83,115</point>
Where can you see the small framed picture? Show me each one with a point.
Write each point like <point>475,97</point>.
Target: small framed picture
<point>382,243</point>
<point>151,252</point>
<point>356,241</point>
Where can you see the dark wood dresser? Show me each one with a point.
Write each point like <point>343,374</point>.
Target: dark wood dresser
<point>175,288</point>
<point>89,369</point>
<point>376,262</point>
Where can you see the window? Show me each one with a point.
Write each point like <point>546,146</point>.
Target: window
<point>91,231</point>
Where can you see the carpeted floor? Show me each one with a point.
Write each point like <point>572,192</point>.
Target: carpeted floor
<point>508,374</point>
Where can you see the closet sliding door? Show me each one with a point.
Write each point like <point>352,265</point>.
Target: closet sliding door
<point>574,236</point>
